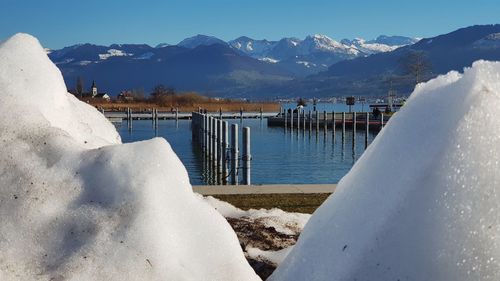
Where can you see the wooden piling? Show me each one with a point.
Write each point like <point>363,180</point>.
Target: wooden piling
<point>225,156</point>
<point>246,157</point>
<point>367,128</point>
<point>285,114</point>
<point>234,154</point>
<point>354,123</point>
<point>317,121</point>
<point>334,125</point>
<point>304,120</point>
<point>325,124</point>
<point>298,119</point>
<point>310,121</point>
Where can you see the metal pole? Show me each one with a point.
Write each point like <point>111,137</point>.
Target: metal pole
<point>291,120</point>
<point>210,130</point>
<point>261,113</point>
<point>381,120</point>
<point>220,113</point>
<point>247,157</point>
<point>343,126</point>
<point>234,154</point>
<point>176,114</point>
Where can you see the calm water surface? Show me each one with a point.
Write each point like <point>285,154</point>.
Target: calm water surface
<point>278,156</point>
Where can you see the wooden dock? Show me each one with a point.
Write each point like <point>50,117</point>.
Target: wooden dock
<point>169,115</point>
<point>323,120</point>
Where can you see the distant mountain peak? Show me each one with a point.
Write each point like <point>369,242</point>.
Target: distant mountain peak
<point>200,39</point>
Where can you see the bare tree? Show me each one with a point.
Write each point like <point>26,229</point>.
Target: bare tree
<point>79,86</point>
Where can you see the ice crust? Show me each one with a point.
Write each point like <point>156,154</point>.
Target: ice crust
<point>76,204</point>
<point>422,203</point>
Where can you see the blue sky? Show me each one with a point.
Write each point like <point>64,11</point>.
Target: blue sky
<point>59,23</point>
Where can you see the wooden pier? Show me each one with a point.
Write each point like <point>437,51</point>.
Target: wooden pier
<point>219,145</point>
<point>153,114</point>
<point>328,120</point>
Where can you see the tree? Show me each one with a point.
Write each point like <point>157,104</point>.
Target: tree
<point>160,91</point>
<point>79,86</point>
<point>301,102</point>
<point>417,64</point>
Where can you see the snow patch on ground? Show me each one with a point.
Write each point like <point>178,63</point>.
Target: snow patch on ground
<point>114,53</point>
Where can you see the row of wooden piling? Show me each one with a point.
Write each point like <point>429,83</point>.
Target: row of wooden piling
<point>311,121</point>
<point>219,145</point>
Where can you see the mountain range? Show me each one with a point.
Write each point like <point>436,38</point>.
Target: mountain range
<point>208,64</point>
<point>290,67</point>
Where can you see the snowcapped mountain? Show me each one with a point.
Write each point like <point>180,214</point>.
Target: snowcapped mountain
<point>394,40</point>
<point>251,47</point>
<point>323,43</point>
<point>200,40</point>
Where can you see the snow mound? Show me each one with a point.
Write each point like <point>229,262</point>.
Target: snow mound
<point>76,204</point>
<point>422,203</point>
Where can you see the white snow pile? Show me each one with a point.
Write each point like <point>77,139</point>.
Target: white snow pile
<point>423,202</point>
<point>76,204</point>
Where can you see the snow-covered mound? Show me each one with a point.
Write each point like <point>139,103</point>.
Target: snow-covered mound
<point>422,203</point>
<point>75,204</point>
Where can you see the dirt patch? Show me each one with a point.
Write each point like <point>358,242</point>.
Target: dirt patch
<point>255,234</point>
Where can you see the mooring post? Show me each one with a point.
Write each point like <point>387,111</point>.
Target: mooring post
<point>298,119</point>
<point>343,122</point>
<point>214,141</point>
<point>176,114</point>
<point>247,157</point>
<point>220,113</point>
<point>354,123</point>
<point>333,124</point>
<point>325,118</point>
<point>310,121</point>
<point>291,121</point>
<point>234,154</point>
<point>225,144</point>
<point>210,134</point>
<point>367,128</point>
<point>381,121</point>
<point>129,113</point>
<point>317,121</point>
<point>156,117</point>
<point>241,114</point>
<point>261,113</point>
<point>286,118</point>
<point>153,116</point>
<point>219,151</point>
<point>304,120</point>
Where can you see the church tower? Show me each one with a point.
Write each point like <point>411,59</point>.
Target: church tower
<point>94,89</point>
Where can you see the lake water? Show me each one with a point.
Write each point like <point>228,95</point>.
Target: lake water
<point>278,156</point>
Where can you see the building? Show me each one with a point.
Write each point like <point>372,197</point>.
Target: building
<point>96,95</point>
